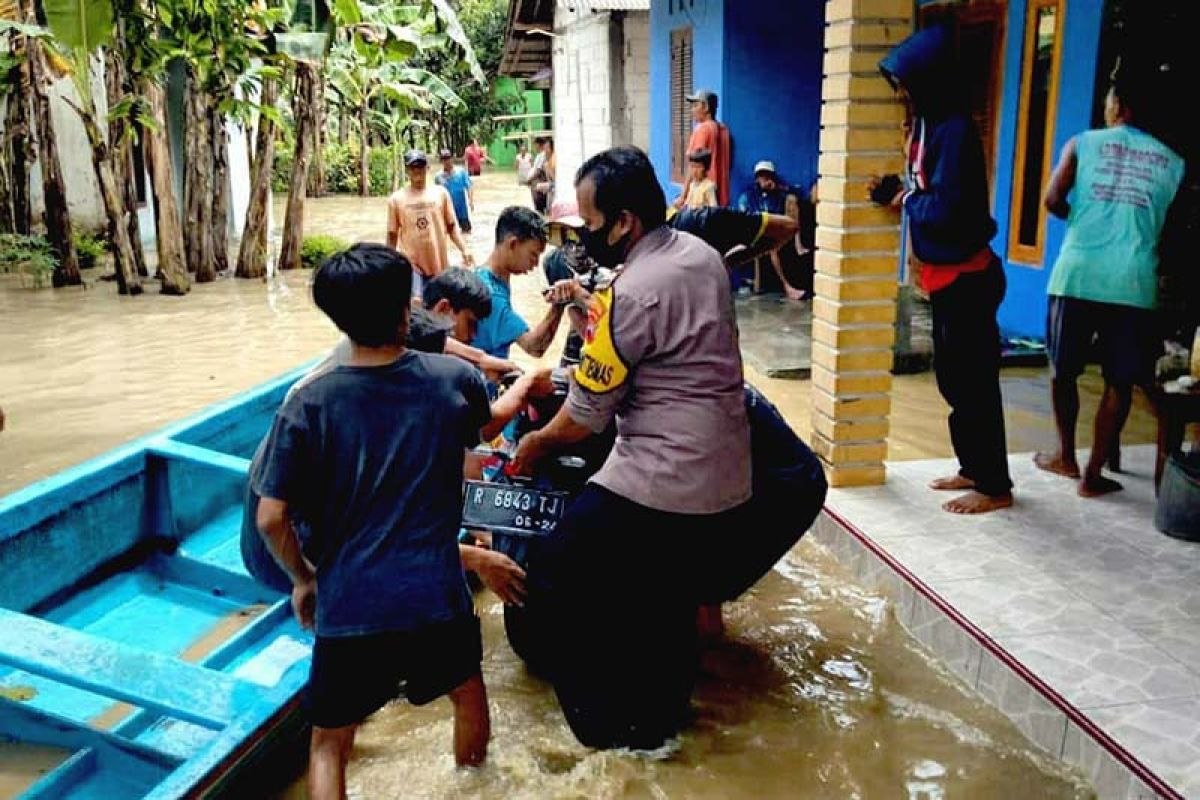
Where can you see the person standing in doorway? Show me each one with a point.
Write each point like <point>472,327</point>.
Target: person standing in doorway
<point>712,136</point>
<point>420,220</point>
<point>1114,187</point>
<point>475,157</point>
<point>945,196</point>
<point>457,182</point>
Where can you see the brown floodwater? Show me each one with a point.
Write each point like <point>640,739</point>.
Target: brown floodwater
<point>816,692</point>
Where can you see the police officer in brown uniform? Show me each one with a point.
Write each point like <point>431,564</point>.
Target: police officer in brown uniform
<point>611,589</point>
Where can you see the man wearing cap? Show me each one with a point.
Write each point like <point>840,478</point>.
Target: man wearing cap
<point>420,220</point>
<point>769,195</point>
<point>712,136</point>
<point>457,182</point>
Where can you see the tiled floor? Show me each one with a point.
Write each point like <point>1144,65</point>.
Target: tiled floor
<point>1087,594</point>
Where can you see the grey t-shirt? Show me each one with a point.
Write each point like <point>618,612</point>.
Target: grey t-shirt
<point>661,355</point>
<point>371,457</point>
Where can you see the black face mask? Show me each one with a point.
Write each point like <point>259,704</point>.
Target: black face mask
<point>596,243</point>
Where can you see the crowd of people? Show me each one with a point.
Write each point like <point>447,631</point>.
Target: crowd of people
<point>354,502</point>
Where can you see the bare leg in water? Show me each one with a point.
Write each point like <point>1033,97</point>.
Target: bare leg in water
<point>472,722</point>
<point>1065,393</point>
<point>1110,419</point>
<point>328,752</point>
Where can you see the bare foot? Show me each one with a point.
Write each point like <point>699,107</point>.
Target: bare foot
<point>794,293</point>
<point>977,503</point>
<point>1052,462</point>
<point>955,483</point>
<point>1097,485</point>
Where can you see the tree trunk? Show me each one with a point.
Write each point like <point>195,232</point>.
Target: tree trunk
<point>15,143</point>
<point>221,199</point>
<point>172,268</point>
<point>121,147</point>
<point>114,204</point>
<point>252,254</point>
<point>364,152</point>
<point>198,196</point>
<point>58,220</point>
<point>316,175</point>
<point>304,111</point>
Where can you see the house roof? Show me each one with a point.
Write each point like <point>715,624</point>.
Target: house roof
<point>527,53</point>
<point>605,5</point>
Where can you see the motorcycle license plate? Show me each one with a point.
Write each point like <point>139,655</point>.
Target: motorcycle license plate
<point>511,509</point>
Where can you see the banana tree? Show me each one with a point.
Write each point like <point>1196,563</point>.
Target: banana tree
<point>15,141</point>
<point>42,64</point>
<point>79,31</point>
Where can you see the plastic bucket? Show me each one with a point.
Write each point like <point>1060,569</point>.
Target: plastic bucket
<point>1178,511</point>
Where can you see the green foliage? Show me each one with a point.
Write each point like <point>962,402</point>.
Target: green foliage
<point>81,27</point>
<point>379,171</point>
<point>315,249</point>
<point>341,170</point>
<point>89,248</point>
<point>281,169</point>
<point>30,257</point>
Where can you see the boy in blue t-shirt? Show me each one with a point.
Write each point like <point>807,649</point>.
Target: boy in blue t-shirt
<point>457,182</point>
<point>520,240</point>
<point>370,454</point>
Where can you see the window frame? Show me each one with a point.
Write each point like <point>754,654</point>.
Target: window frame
<point>1019,252</point>
<point>680,88</point>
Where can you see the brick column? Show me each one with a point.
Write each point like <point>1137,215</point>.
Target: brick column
<point>858,243</point>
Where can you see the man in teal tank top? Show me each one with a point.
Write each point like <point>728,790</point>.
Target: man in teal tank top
<point>1114,187</point>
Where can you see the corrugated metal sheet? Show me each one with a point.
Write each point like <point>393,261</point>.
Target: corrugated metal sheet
<point>605,5</point>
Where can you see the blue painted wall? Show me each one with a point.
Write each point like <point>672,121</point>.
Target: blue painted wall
<point>707,20</point>
<point>772,97</point>
<point>1023,312</point>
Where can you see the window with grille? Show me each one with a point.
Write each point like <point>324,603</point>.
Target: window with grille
<point>681,112</point>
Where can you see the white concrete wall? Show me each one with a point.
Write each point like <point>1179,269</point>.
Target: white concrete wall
<point>583,118</point>
<point>582,126</point>
<point>83,193</point>
<point>74,156</point>
<point>637,76</point>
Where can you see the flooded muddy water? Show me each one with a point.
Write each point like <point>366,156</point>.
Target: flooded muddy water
<point>816,692</point>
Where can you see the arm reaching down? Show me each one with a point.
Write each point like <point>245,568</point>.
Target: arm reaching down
<point>1061,182</point>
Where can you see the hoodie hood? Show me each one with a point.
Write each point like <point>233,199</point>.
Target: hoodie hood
<point>924,64</point>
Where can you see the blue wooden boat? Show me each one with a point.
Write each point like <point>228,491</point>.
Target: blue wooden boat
<point>131,638</point>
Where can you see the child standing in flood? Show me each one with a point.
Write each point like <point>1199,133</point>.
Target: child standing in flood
<point>370,455</point>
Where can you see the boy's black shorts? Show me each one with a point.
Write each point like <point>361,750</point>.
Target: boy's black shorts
<point>352,677</point>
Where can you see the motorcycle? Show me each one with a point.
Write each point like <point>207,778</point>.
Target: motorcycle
<point>789,490</point>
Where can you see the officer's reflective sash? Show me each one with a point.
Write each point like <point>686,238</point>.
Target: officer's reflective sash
<point>601,368</point>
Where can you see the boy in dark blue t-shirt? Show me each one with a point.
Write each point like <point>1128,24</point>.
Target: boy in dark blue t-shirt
<point>370,455</point>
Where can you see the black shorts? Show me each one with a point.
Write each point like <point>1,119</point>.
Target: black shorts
<point>1125,340</point>
<point>352,677</point>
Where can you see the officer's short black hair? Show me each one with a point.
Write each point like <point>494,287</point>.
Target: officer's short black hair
<point>365,291</point>
<point>463,288</point>
<point>625,181</point>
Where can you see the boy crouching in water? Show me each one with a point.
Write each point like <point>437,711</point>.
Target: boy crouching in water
<point>370,455</point>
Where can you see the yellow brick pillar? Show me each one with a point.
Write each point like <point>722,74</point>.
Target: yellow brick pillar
<point>858,243</point>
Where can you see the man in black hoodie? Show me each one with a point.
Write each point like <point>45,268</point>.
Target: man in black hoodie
<point>944,193</point>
